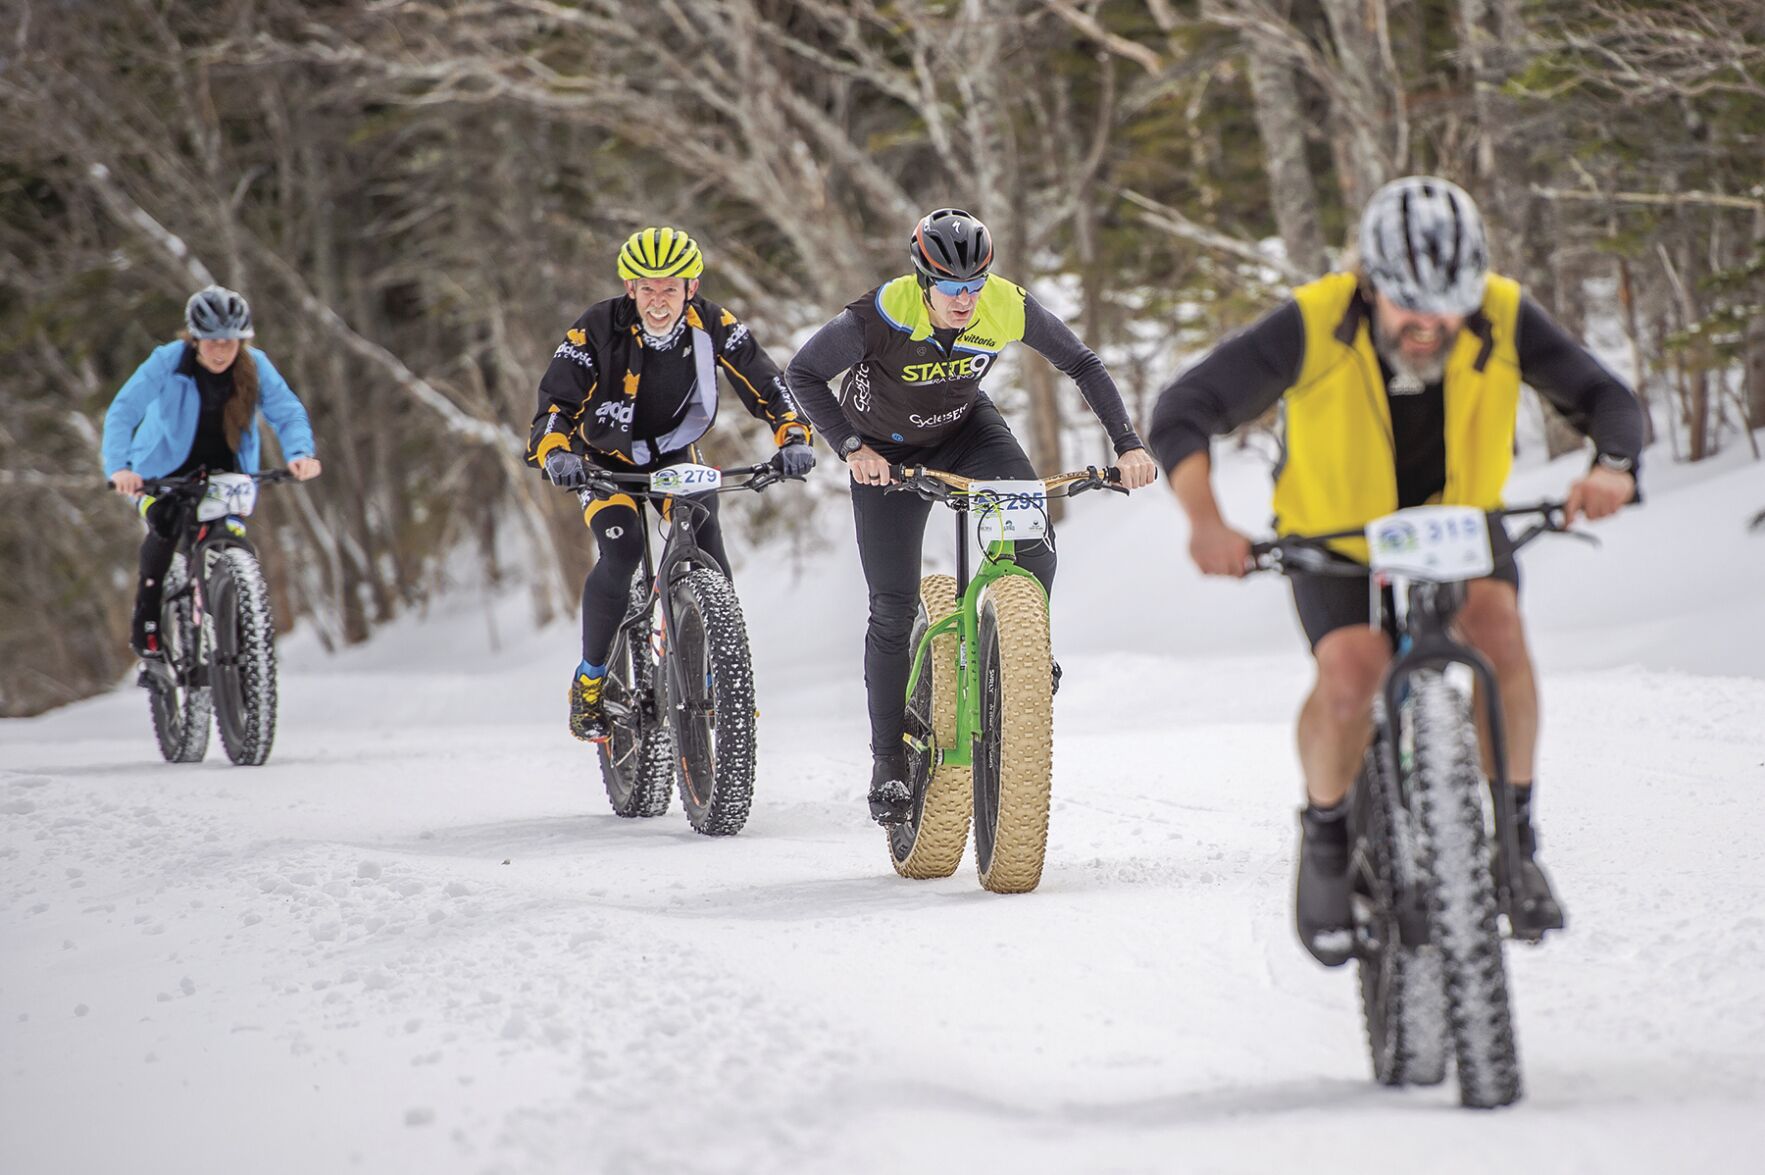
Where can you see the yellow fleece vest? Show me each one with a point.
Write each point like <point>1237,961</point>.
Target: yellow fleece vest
<point>1338,470</point>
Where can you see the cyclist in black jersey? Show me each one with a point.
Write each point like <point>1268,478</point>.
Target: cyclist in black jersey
<point>914,351</point>
<point>633,386</point>
<point>1398,385</point>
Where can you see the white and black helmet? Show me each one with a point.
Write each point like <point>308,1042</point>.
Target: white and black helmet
<point>215,312</point>
<point>1423,246</point>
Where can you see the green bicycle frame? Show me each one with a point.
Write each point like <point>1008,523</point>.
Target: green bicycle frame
<point>1001,561</point>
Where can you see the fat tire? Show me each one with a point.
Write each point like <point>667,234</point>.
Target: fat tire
<point>637,762</point>
<point>178,696</point>
<point>931,842</point>
<point>1014,748</point>
<point>242,660</point>
<point>714,730</point>
<point>1446,795</point>
<point>1403,994</point>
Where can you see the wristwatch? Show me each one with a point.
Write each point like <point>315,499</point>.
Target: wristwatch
<point>850,445</point>
<point>1615,462</point>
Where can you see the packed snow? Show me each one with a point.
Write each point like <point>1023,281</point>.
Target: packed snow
<point>418,940</point>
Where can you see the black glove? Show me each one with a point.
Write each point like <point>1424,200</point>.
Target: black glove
<point>566,469</point>
<point>794,458</point>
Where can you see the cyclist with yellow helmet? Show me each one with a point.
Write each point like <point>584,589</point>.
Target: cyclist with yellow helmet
<point>633,386</point>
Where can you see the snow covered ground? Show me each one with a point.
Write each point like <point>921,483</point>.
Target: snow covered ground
<point>417,940</point>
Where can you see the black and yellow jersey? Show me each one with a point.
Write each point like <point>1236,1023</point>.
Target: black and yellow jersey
<point>590,391</point>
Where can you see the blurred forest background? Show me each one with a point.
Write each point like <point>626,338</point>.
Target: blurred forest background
<point>419,195</point>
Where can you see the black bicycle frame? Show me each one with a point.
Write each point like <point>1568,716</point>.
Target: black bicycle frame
<point>679,549</point>
<point>195,539</point>
<point>1427,644</point>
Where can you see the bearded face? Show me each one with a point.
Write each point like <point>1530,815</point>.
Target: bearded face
<point>1413,344</point>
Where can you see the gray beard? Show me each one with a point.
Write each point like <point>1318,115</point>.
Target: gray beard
<point>1412,376</point>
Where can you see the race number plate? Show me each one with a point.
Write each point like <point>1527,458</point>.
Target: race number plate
<point>1012,511</point>
<point>227,493</point>
<point>1439,543</point>
<point>685,479</point>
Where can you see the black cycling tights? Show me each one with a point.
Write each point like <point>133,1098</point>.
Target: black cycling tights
<point>156,560</point>
<point>891,535</point>
<point>606,591</point>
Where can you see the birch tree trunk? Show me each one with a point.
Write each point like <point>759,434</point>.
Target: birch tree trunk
<point>1280,122</point>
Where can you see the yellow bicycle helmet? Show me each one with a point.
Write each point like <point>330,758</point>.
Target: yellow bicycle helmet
<point>660,252</point>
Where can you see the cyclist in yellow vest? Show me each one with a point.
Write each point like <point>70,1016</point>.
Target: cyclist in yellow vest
<point>1398,385</point>
<point>914,351</point>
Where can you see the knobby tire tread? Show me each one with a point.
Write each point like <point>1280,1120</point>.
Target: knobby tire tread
<point>247,733</point>
<point>1447,798</point>
<point>1017,609</point>
<point>183,717</point>
<point>1403,994</point>
<point>642,785</point>
<point>931,845</point>
<point>731,796</point>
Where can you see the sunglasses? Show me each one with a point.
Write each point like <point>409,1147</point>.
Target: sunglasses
<point>952,289</point>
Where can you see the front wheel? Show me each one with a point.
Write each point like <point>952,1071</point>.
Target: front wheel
<point>1014,747</point>
<point>637,758</point>
<point>930,843</point>
<point>1446,788</point>
<point>714,721</point>
<point>177,686</point>
<point>243,656</point>
<point>1403,996</point>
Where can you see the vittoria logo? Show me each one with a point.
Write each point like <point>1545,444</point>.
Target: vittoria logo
<point>979,341</point>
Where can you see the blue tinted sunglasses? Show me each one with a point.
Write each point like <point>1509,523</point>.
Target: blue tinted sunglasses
<point>971,286</point>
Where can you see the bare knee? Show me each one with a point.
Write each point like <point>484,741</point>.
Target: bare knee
<point>1490,623</point>
<point>1350,662</point>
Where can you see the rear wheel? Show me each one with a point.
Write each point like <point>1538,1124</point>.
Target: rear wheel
<point>930,843</point>
<point>1403,997</point>
<point>177,685</point>
<point>1446,796</point>
<point>637,759</point>
<point>1014,748</point>
<point>714,721</point>
<point>242,662</point>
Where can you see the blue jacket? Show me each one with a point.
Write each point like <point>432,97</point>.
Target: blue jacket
<point>151,425</point>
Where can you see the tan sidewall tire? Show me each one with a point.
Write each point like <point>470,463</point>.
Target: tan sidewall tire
<point>943,823</point>
<point>1026,756</point>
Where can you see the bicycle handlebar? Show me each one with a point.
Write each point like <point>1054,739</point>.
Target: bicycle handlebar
<point>1312,555</point>
<point>167,485</point>
<point>939,486</point>
<point>603,483</point>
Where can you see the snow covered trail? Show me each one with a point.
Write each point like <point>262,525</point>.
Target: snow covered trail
<point>417,940</point>
<point>428,946</point>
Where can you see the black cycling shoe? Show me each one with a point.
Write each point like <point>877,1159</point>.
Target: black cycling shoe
<point>1323,912</point>
<point>891,799</point>
<point>1535,908</point>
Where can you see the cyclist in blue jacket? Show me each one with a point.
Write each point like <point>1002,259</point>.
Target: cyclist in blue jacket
<point>195,405</point>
